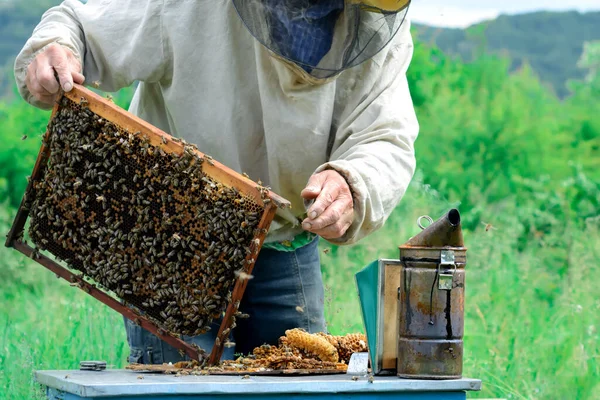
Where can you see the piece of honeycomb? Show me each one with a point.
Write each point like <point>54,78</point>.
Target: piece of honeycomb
<point>349,344</point>
<point>314,344</point>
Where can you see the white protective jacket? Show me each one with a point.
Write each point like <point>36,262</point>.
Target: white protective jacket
<point>204,78</point>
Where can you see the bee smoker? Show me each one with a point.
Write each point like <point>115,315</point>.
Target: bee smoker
<point>431,301</point>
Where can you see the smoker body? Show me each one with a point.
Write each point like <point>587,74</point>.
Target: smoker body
<point>431,297</point>
<point>430,319</point>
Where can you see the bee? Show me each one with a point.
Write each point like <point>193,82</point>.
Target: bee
<point>299,309</point>
<point>246,377</point>
<point>67,376</point>
<point>255,244</point>
<point>371,379</point>
<point>109,98</point>
<point>488,227</point>
<point>24,137</point>
<point>243,276</point>
<point>355,378</point>
<point>96,84</point>
<point>326,251</point>
<point>140,376</point>
<point>100,198</point>
<point>35,254</point>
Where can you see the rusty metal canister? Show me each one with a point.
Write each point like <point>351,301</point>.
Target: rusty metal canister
<point>431,301</point>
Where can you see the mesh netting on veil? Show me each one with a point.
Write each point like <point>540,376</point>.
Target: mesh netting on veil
<point>324,37</point>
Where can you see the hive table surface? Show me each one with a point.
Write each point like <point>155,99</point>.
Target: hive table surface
<point>122,383</point>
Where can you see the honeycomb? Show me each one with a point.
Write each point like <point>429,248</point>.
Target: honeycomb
<point>147,224</point>
<point>349,344</point>
<point>290,354</point>
<point>299,349</point>
<point>315,344</point>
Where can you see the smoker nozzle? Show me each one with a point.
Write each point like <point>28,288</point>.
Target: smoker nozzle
<point>445,232</point>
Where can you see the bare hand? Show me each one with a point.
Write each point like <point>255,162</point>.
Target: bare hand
<point>41,81</point>
<point>332,213</point>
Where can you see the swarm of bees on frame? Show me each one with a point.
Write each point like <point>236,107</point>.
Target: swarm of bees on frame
<point>146,224</point>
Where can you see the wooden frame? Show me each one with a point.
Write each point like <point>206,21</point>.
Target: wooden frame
<point>214,170</point>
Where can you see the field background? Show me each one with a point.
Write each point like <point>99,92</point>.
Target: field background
<point>511,143</point>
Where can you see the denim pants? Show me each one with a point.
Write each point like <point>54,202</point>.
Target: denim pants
<point>286,292</point>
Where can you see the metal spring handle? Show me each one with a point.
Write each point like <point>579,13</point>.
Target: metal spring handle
<point>424,217</point>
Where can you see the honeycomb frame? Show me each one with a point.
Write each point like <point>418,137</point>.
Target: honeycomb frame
<point>115,128</point>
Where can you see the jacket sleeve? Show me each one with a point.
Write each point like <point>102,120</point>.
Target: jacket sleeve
<point>116,41</point>
<point>374,139</point>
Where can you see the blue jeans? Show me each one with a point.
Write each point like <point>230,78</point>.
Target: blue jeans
<point>286,292</point>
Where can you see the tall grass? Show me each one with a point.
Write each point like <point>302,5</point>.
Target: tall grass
<point>46,324</point>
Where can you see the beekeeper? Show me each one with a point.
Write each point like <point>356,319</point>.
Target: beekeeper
<point>310,96</point>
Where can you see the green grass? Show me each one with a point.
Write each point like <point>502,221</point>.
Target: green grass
<point>531,316</point>
<point>46,324</point>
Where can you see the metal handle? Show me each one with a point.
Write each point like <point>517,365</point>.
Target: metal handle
<point>424,217</point>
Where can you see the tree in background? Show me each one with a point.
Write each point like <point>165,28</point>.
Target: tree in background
<point>590,60</point>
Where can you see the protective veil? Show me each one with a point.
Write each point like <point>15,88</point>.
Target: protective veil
<point>323,37</point>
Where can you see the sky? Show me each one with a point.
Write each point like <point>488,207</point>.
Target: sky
<point>462,13</point>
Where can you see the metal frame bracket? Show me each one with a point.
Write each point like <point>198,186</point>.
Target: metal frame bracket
<point>446,270</point>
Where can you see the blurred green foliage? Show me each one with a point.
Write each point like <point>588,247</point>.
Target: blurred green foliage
<point>492,137</point>
<point>551,42</point>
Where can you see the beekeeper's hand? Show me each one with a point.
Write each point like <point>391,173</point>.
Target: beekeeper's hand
<point>40,79</point>
<point>332,212</point>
